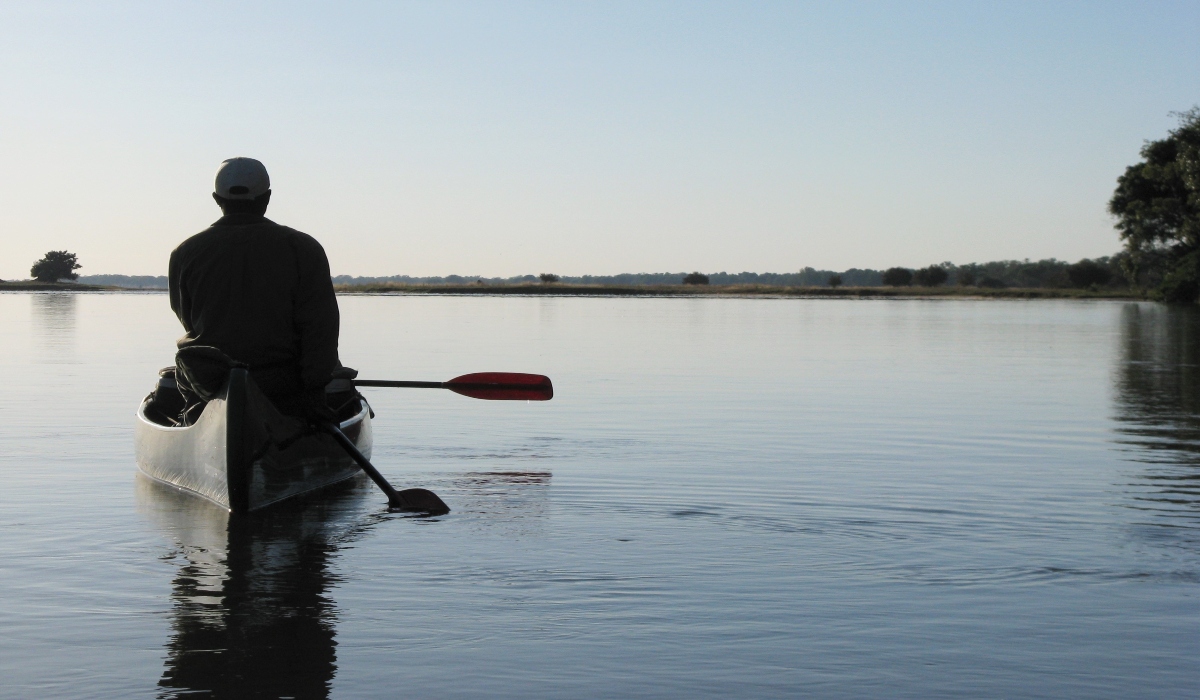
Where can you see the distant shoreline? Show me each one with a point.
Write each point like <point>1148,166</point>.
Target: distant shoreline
<point>677,291</point>
<point>757,291</point>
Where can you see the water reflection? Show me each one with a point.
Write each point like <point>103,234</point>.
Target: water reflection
<point>252,613</point>
<point>1158,408</point>
<point>53,315</point>
<point>512,502</point>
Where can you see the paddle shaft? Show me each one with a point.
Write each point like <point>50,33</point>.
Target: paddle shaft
<point>394,498</point>
<point>402,385</point>
<point>411,500</point>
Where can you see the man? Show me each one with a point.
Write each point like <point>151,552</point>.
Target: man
<point>260,293</point>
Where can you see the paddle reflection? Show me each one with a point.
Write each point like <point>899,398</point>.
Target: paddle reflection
<point>513,501</point>
<point>252,613</point>
<point>1158,409</point>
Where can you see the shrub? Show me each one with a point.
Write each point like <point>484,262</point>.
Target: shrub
<point>991,282</point>
<point>548,278</point>
<point>54,266</point>
<point>898,277</point>
<point>931,276</point>
<point>695,278</point>
<point>835,281</point>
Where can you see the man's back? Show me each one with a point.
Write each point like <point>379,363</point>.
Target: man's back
<point>261,293</point>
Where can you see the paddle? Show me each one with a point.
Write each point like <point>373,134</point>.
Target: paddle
<point>492,386</point>
<point>408,500</point>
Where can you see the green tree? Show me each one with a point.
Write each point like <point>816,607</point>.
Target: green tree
<point>1086,273</point>
<point>54,266</point>
<point>548,278</point>
<point>1157,206</point>
<point>695,278</point>
<point>931,276</point>
<point>835,281</point>
<point>898,277</point>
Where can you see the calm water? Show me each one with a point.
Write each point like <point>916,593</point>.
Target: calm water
<point>750,498</point>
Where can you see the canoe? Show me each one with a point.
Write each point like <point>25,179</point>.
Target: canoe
<point>243,454</point>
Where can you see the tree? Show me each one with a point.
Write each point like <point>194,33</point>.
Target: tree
<point>835,281</point>
<point>965,276</point>
<point>931,276</point>
<point>695,278</point>
<point>1182,283</point>
<point>548,278</point>
<point>1157,205</point>
<point>898,277</point>
<point>56,265</point>
<point>1086,273</point>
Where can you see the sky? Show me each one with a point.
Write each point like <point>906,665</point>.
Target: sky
<point>507,138</point>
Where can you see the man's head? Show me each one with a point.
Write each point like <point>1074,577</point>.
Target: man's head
<point>242,187</point>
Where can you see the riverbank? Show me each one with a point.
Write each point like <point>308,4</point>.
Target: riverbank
<point>735,291</point>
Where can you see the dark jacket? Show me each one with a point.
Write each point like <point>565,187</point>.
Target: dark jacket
<point>261,293</point>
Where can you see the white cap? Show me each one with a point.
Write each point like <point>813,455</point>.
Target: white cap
<point>242,178</point>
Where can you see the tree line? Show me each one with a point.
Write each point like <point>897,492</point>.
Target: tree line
<point>1051,273</point>
<point>1105,272</point>
<point>1100,273</point>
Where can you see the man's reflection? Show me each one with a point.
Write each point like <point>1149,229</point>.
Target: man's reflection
<point>252,613</point>
<point>1158,404</point>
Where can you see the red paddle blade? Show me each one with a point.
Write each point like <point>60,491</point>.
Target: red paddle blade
<point>503,386</point>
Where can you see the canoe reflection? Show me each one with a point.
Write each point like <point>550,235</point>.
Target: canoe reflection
<point>1158,408</point>
<point>252,614</point>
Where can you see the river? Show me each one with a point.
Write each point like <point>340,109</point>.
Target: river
<point>727,497</point>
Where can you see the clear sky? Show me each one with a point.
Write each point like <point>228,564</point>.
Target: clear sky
<point>504,138</point>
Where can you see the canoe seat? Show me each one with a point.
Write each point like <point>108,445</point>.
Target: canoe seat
<point>165,404</point>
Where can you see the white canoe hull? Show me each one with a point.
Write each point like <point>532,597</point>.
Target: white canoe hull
<point>243,455</point>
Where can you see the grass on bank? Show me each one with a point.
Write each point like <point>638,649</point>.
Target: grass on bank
<point>35,286</point>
